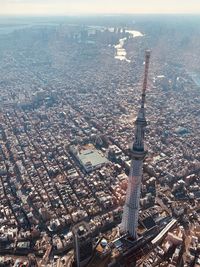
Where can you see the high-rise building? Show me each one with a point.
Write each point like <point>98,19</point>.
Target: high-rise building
<point>131,208</point>
<point>83,248</point>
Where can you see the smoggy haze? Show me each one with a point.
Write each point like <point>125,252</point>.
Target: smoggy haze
<point>64,7</point>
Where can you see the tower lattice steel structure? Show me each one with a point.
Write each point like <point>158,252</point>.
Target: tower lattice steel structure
<point>131,208</point>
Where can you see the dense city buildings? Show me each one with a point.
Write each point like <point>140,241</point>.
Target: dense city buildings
<point>69,98</point>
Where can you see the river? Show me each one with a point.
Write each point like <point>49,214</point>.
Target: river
<point>120,50</point>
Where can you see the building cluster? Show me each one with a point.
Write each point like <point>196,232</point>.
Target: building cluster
<point>43,185</point>
<point>171,251</point>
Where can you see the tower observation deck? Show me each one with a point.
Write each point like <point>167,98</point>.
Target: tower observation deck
<point>131,208</point>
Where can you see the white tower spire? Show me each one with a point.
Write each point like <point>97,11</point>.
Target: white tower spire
<point>131,208</point>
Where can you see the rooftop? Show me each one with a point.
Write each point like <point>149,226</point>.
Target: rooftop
<point>91,158</point>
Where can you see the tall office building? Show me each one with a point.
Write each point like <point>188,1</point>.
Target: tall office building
<point>131,208</point>
<point>83,248</point>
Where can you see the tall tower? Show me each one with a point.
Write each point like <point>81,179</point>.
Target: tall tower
<point>131,208</point>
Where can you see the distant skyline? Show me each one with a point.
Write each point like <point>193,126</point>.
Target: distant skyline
<point>70,7</point>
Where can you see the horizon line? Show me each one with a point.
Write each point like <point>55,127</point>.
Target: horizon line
<point>97,14</point>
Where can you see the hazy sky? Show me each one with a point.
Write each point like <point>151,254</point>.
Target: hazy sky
<point>64,7</point>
